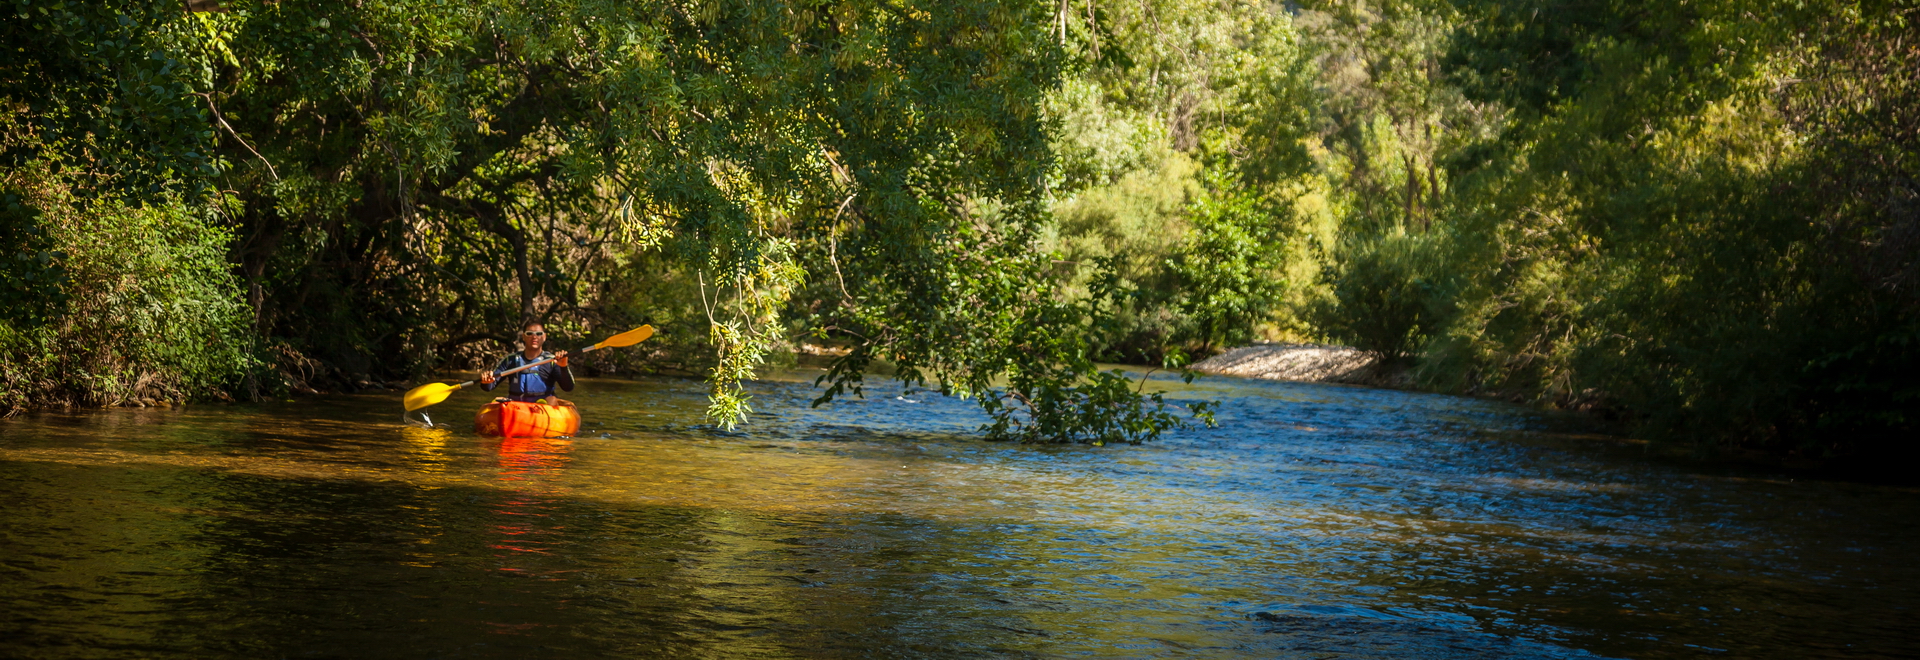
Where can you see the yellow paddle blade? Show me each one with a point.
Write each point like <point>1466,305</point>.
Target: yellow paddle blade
<point>627,338</point>
<point>428,394</point>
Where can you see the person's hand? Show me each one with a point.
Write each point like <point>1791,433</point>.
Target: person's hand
<point>486,378</point>
<point>560,358</point>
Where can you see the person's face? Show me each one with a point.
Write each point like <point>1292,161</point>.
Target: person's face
<point>534,336</point>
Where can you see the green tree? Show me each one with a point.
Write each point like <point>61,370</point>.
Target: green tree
<point>106,83</point>
<point>402,179</point>
<point>1658,212</point>
<point>1182,142</point>
<point>114,284</point>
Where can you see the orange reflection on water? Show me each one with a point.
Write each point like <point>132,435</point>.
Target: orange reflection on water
<point>531,470</point>
<point>532,459</point>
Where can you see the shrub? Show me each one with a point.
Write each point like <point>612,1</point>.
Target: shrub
<point>146,305</point>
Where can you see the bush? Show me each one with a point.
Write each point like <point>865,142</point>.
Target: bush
<point>1387,294</point>
<point>147,308</point>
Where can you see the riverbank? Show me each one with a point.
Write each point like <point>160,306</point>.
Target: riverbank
<point>1345,365</point>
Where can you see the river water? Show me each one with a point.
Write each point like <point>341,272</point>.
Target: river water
<point>1318,522</point>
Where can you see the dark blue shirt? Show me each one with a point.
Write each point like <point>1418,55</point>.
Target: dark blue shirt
<point>533,384</point>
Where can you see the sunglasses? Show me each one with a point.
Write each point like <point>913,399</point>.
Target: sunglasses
<point>536,333</point>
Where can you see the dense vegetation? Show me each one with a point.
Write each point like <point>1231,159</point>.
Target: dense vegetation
<point>1701,217</point>
<point>1698,217</point>
<point>395,185</point>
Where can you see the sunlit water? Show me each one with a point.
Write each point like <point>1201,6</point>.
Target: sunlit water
<point>1317,522</point>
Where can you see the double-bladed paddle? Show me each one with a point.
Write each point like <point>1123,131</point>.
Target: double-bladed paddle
<point>432,393</point>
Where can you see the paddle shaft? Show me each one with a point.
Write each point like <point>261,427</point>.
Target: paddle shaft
<point>527,366</point>
<point>432,393</point>
<point>521,368</point>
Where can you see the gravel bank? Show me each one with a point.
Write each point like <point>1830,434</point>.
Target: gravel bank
<point>1308,362</point>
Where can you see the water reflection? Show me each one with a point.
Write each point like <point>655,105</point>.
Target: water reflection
<point>529,470</point>
<point>1319,522</point>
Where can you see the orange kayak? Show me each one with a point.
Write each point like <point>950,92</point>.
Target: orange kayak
<point>514,419</point>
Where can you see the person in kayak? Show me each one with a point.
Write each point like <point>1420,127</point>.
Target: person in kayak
<point>536,383</point>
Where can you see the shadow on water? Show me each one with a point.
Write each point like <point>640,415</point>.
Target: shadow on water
<point>1317,522</point>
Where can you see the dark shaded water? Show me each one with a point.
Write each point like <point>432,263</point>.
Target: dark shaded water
<point>1318,522</point>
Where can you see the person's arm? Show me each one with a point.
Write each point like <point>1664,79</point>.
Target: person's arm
<point>563,376</point>
<point>488,386</point>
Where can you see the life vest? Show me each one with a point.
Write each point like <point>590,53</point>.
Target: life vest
<point>532,382</point>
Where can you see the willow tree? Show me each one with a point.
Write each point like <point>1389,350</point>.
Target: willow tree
<point>403,178</point>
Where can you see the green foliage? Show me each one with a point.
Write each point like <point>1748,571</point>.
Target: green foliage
<point>107,84</point>
<point>1063,396</point>
<point>1002,331</point>
<point>1230,271</point>
<point>149,309</point>
<point>403,180</point>
<point>650,287</point>
<point>498,162</point>
<point>1182,144</point>
<point>1132,229</point>
<point>1681,213</point>
<point>1387,294</point>
<point>1701,216</point>
<point>1104,407</point>
<point>115,286</point>
<point>32,278</point>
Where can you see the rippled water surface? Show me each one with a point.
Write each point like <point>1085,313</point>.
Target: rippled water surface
<point>1318,522</point>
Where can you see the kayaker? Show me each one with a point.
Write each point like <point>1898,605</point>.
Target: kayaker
<point>536,383</point>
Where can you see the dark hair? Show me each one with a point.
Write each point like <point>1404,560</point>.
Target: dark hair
<point>530,323</point>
